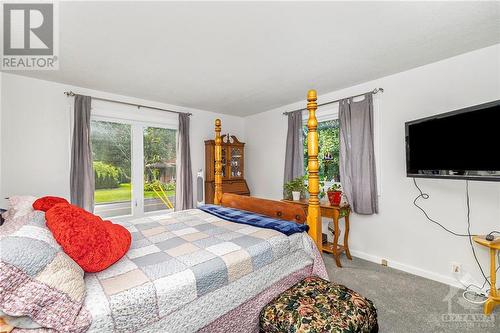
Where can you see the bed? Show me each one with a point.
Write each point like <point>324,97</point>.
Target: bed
<point>187,269</point>
<point>197,270</point>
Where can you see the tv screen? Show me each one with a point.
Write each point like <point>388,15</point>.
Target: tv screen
<point>460,144</point>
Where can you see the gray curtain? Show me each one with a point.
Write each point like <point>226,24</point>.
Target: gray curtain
<point>184,177</point>
<point>82,172</point>
<point>294,157</point>
<point>357,160</point>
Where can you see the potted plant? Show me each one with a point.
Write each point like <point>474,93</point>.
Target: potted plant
<point>335,194</point>
<point>295,188</point>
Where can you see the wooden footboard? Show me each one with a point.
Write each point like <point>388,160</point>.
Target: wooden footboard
<point>271,208</point>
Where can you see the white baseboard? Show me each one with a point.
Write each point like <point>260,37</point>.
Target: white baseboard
<point>409,269</point>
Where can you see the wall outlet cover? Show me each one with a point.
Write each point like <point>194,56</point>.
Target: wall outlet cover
<point>456,268</point>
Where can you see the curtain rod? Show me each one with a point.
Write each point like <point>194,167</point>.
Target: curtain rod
<point>70,94</point>
<point>374,91</point>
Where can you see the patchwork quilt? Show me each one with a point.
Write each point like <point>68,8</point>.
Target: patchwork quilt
<point>186,269</point>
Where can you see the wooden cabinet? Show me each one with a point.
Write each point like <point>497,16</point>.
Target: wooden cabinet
<point>233,167</point>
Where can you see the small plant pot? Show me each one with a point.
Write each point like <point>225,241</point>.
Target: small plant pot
<point>295,195</point>
<point>334,197</point>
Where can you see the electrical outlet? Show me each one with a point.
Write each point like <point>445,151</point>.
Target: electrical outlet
<point>384,262</point>
<point>456,268</point>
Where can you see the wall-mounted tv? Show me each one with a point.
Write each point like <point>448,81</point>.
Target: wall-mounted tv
<point>462,144</point>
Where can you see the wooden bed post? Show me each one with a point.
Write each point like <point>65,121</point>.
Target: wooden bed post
<point>313,211</point>
<point>218,163</point>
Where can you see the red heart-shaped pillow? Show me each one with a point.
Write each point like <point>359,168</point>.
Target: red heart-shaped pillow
<point>46,203</point>
<point>93,243</point>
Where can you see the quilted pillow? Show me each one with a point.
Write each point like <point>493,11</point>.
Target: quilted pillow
<point>20,205</point>
<point>93,243</point>
<point>46,203</point>
<point>19,211</point>
<point>40,286</point>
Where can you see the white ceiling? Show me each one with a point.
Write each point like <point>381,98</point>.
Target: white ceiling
<point>245,58</point>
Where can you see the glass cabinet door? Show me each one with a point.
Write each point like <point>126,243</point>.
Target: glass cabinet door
<point>236,162</point>
<point>224,162</point>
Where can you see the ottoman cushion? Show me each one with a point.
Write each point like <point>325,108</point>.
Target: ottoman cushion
<point>316,305</point>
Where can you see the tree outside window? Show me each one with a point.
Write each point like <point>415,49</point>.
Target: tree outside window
<point>328,155</point>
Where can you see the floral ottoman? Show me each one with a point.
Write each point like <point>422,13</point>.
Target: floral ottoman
<point>315,305</point>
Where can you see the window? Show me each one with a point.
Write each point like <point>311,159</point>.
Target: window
<point>112,159</point>
<point>134,167</point>
<point>328,155</point>
<point>159,168</point>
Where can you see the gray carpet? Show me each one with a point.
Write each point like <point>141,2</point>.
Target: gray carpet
<point>407,303</point>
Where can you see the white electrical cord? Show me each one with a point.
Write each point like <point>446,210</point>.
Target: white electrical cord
<point>476,294</point>
<point>480,293</point>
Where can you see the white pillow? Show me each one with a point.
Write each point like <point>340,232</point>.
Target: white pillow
<point>21,205</point>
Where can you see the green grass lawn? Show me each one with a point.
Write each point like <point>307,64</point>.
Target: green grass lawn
<point>123,193</point>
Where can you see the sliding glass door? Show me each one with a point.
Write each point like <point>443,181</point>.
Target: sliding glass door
<point>159,168</point>
<point>134,167</point>
<point>112,156</point>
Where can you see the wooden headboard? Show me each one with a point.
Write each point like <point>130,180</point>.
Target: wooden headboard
<point>271,208</point>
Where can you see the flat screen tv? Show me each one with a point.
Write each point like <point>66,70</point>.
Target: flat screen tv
<point>462,144</point>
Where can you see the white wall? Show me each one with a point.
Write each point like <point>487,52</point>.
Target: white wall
<point>399,232</point>
<point>35,134</point>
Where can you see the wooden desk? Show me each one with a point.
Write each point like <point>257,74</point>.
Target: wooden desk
<point>335,213</point>
<point>494,296</point>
